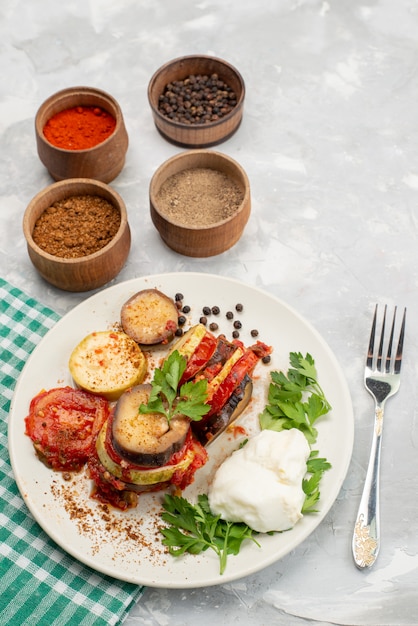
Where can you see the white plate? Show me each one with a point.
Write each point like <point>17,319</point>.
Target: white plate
<point>128,545</point>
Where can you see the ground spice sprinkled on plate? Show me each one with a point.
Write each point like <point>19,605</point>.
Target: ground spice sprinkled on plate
<point>199,197</point>
<point>130,538</point>
<point>76,226</point>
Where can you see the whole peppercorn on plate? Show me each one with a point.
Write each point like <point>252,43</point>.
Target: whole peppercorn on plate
<point>128,544</point>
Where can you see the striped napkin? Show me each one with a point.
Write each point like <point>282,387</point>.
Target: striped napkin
<point>40,585</point>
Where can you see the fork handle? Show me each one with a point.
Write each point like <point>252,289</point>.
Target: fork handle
<point>366,537</point>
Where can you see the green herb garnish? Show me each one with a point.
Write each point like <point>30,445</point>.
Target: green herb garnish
<point>168,399</point>
<point>297,401</point>
<point>315,468</point>
<point>194,529</point>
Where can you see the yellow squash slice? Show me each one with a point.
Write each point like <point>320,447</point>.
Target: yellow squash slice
<point>107,363</point>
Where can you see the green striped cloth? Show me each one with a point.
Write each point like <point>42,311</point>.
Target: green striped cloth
<point>40,585</point>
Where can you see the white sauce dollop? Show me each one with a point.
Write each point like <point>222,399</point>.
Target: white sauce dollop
<point>261,483</point>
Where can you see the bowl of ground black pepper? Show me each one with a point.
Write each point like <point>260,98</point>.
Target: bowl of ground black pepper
<point>197,101</point>
<point>200,202</point>
<point>80,133</point>
<point>77,234</point>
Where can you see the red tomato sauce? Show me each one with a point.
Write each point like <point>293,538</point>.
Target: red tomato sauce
<point>63,424</point>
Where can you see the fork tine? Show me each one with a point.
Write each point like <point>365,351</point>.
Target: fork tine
<point>382,337</point>
<point>390,344</point>
<point>398,358</point>
<point>369,361</point>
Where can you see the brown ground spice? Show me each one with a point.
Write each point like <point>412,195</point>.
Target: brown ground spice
<point>76,226</point>
<point>199,197</point>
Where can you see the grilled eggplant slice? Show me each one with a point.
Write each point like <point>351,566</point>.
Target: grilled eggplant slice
<point>150,317</point>
<point>145,439</point>
<point>133,475</point>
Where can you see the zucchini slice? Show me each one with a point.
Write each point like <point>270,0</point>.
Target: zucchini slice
<point>107,363</point>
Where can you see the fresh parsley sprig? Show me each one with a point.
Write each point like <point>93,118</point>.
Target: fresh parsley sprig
<point>168,399</point>
<point>297,400</point>
<point>315,468</point>
<point>194,529</point>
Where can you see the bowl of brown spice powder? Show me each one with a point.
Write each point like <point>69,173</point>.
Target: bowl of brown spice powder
<point>80,133</point>
<point>197,101</point>
<point>77,234</point>
<point>200,202</point>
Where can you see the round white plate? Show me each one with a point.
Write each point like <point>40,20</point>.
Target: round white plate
<point>128,545</point>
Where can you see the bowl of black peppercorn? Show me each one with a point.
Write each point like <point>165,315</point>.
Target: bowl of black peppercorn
<point>197,101</point>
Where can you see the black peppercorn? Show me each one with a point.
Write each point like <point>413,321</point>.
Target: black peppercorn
<point>203,320</point>
<point>235,334</point>
<point>213,326</point>
<point>229,315</point>
<point>197,99</point>
<point>186,309</point>
<point>216,310</point>
<point>237,324</point>
<point>239,308</point>
<point>254,333</point>
<point>181,320</point>
<point>206,310</point>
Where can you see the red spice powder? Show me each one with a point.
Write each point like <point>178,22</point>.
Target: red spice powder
<point>79,128</point>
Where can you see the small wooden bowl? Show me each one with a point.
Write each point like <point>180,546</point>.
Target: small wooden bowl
<point>200,240</point>
<point>82,273</point>
<point>102,162</point>
<point>196,135</point>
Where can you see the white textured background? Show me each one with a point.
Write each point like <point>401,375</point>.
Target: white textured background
<point>329,142</point>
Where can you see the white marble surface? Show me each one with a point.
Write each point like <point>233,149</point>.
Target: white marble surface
<point>329,142</point>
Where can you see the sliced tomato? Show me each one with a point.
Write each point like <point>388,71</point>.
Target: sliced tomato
<point>219,394</point>
<point>183,478</point>
<point>63,424</point>
<point>223,351</point>
<point>107,489</point>
<point>200,357</point>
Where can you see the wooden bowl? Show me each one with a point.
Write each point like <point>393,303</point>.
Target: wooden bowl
<point>85,272</point>
<point>194,135</point>
<point>102,162</point>
<point>199,236</point>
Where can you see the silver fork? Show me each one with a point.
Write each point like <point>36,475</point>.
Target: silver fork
<point>382,380</point>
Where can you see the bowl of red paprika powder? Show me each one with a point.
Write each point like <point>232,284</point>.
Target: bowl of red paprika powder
<point>197,101</point>
<point>80,133</point>
<point>77,234</point>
